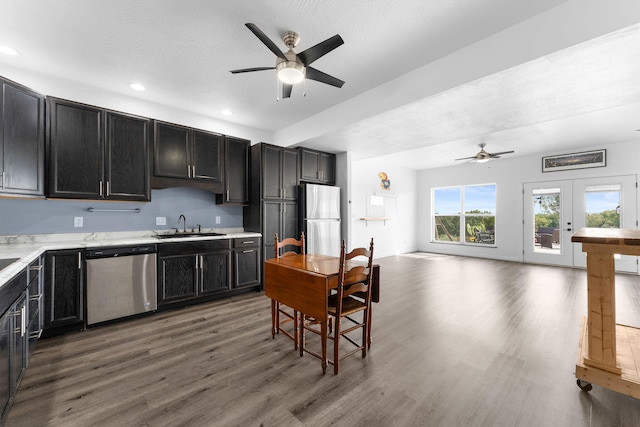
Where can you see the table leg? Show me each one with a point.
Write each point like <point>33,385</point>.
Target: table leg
<point>601,316</point>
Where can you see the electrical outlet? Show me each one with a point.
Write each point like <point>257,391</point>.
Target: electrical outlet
<point>217,220</point>
<point>78,221</point>
<point>161,220</point>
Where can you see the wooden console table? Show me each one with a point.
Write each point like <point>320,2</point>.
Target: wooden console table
<point>608,353</point>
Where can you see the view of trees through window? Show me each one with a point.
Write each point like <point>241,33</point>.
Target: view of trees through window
<point>602,206</point>
<point>467,211</point>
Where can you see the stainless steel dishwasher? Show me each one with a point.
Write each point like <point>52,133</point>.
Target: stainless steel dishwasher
<point>121,281</point>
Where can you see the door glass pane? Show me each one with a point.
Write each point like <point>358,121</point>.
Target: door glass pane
<point>546,212</point>
<point>602,206</point>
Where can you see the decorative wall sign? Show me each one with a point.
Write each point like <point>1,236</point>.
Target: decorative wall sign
<point>385,183</point>
<point>585,159</point>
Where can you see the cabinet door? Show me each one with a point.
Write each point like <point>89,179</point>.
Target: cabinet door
<point>309,165</point>
<point>75,147</point>
<point>18,344</point>
<point>177,278</point>
<point>215,269</point>
<point>127,164</point>
<point>271,172</point>
<point>327,168</point>
<point>63,289</point>
<point>290,220</point>
<point>21,141</point>
<point>208,156</point>
<point>171,151</point>
<point>247,266</point>
<point>236,181</point>
<point>290,174</point>
<point>5,351</point>
<point>271,221</point>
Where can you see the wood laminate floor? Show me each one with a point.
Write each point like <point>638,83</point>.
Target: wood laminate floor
<point>457,342</point>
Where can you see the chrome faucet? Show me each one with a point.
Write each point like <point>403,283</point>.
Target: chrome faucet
<point>184,223</point>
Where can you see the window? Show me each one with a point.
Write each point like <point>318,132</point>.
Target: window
<point>468,211</point>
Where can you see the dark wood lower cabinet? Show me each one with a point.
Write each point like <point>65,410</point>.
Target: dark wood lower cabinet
<point>193,272</point>
<point>214,272</point>
<point>64,297</point>
<point>247,262</point>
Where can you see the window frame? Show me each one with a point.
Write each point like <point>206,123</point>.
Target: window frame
<point>462,216</point>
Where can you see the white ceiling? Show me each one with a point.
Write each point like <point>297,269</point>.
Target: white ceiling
<point>426,81</point>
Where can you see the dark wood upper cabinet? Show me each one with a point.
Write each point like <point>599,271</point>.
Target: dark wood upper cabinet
<point>22,145</point>
<point>236,170</point>
<point>208,155</point>
<point>97,154</point>
<point>127,164</point>
<point>317,166</point>
<point>279,173</point>
<point>187,157</point>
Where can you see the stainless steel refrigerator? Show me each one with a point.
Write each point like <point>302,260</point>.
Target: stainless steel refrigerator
<point>320,218</point>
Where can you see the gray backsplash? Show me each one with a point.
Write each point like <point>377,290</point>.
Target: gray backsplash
<point>37,216</point>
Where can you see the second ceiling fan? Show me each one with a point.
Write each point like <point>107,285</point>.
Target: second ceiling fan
<point>294,67</point>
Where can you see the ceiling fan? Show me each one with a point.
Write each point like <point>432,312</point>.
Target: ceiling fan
<point>293,67</point>
<point>484,156</point>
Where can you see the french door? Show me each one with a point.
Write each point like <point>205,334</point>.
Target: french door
<point>553,210</point>
<point>548,222</point>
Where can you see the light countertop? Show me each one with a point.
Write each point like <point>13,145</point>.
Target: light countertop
<point>28,247</point>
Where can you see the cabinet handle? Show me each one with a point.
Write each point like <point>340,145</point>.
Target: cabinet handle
<point>247,242</point>
<point>3,178</point>
<point>35,297</point>
<point>108,189</point>
<point>197,262</point>
<point>79,260</point>
<point>227,194</point>
<point>193,174</point>
<point>35,268</point>
<point>35,334</point>
<point>189,171</point>
<point>101,189</point>
<point>23,320</point>
<point>248,251</point>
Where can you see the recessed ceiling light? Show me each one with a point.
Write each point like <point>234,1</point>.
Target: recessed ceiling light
<point>8,50</point>
<point>226,112</point>
<point>136,86</point>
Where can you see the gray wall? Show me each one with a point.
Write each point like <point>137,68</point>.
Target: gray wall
<point>37,216</point>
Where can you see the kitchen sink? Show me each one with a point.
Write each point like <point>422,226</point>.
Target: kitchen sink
<point>7,262</point>
<point>187,235</point>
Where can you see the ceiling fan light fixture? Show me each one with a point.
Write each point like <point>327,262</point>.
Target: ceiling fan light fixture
<point>485,160</point>
<point>290,72</point>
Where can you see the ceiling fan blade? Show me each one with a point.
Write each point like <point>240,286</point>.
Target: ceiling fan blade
<point>286,90</point>
<point>319,76</point>
<point>500,153</point>
<point>321,49</point>
<point>266,40</point>
<point>248,70</point>
<point>467,158</point>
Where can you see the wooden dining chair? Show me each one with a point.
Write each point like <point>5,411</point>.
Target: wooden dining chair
<point>353,296</point>
<point>280,313</point>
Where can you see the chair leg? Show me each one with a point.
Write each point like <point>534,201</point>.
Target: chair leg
<point>323,328</point>
<point>301,334</point>
<point>274,317</point>
<point>295,329</point>
<point>336,346</point>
